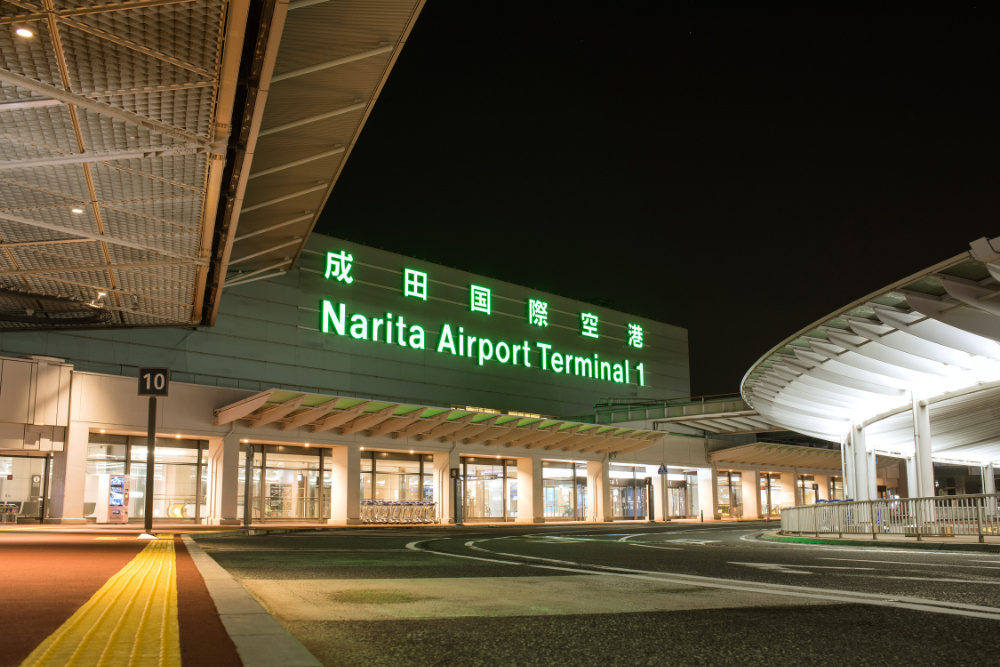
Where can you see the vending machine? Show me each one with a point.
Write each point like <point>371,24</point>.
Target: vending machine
<point>112,504</point>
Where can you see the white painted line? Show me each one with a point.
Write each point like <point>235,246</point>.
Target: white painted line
<point>653,546</point>
<point>890,562</point>
<point>830,595</point>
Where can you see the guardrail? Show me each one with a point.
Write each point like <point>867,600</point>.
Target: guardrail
<point>940,516</point>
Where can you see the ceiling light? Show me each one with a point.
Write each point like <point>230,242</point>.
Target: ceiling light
<point>24,32</point>
<point>178,436</point>
<point>77,210</point>
<point>102,430</point>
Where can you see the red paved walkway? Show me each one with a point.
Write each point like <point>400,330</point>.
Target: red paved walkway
<point>46,575</point>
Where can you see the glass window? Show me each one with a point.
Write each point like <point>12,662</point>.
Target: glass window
<point>396,476</point>
<point>22,483</point>
<point>564,489</point>
<point>490,489</point>
<point>628,492</point>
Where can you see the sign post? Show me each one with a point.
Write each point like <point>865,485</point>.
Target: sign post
<point>153,382</point>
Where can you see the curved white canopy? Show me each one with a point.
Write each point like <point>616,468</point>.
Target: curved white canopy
<point>934,337</point>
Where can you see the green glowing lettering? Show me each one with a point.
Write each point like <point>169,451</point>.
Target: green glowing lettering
<point>485,350</point>
<point>625,364</point>
<point>359,327</point>
<point>619,374</point>
<point>337,317</point>
<point>470,340</point>
<point>417,338</point>
<point>516,349</point>
<point>400,325</point>
<point>584,367</point>
<point>388,327</point>
<point>544,347</point>
<point>642,374</point>
<point>376,324</point>
<point>606,370</point>
<point>503,352</point>
<point>445,341</point>
<point>557,362</point>
<point>526,348</point>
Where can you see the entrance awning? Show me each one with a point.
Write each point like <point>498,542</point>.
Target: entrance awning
<point>770,455</point>
<point>345,415</point>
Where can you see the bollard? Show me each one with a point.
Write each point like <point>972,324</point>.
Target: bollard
<point>703,516</point>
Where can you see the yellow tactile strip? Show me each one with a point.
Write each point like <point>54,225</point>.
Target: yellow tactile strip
<point>131,620</point>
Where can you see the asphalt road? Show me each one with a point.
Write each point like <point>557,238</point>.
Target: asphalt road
<point>635,594</point>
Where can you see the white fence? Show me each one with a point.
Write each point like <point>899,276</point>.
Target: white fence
<point>941,516</point>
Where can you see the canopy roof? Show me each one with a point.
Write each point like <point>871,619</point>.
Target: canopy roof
<point>348,416</point>
<point>770,455</point>
<point>153,150</point>
<point>933,336</point>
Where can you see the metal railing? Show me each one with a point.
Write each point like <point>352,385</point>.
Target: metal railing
<point>940,516</point>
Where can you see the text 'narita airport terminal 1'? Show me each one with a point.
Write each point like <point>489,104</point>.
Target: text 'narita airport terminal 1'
<point>394,329</point>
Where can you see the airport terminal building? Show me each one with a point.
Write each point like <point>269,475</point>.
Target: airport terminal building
<point>359,376</point>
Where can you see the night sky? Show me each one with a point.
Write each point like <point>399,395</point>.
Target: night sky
<point>740,170</point>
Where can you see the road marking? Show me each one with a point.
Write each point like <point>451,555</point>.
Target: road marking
<point>699,543</point>
<point>773,567</point>
<point>653,546</point>
<point>130,620</point>
<point>829,595</point>
<point>942,580</point>
<point>890,562</point>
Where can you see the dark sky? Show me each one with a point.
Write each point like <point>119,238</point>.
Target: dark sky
<point>739,169</point>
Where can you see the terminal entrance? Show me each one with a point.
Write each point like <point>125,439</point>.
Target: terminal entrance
<point>564,488</point>
<point>628,492</point>
<point>23,480</point>
<point>490,489</point>
<point>285,483</point>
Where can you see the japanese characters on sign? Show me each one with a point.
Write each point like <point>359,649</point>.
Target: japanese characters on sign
<point>415,284</point>
<point>454,340</point>
<point>338,265</point>
<point>538,313</point>
<point>635,335</point>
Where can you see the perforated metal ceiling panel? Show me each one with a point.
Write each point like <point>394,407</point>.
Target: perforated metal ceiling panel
<point>136,150</point>
<point>108,114</point>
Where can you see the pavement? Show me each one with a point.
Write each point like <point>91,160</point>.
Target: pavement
<point>99,594</point>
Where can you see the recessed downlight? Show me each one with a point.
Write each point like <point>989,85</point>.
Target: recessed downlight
<point>24,32</point>
<point>77,210</point>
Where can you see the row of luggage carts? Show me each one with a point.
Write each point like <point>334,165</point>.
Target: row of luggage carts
<point>398,511</point>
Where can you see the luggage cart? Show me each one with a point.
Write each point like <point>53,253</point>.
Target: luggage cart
<point>8,513</point>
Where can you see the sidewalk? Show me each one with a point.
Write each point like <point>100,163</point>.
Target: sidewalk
<point>957,543</point>
<point>99,595</point>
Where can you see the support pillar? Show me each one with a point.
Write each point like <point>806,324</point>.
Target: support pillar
<point>443,463</point>
<point>750,483</point>
<point>862,484</point>
<point>599,489</point>
<point>531,500</point>
<point>68,477</point>
<point>912,478</point>
<point>922,448</point>
<point>847,464</point>
<point>989,480</point>
<point>708,492</point>
<point>224,480</point>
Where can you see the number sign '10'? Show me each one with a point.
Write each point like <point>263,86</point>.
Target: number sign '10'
<point>154,381</point>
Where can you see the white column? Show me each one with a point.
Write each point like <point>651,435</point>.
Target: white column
<point>823,484</point>
<point>599,488</point>
<point>69,476</point>
<point>922,447</point>
<point>708,492</point>
<point>750,483</point>
<point>912,478</point>
<point>664,502</point>
<point>862,484</point>
<point>847,463</point>
<point>531,500</point>
<point>224,480</point>
<point>989,480</point>
<point>445,491</point>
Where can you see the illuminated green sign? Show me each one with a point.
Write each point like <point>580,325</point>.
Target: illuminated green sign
<point>456,341</point>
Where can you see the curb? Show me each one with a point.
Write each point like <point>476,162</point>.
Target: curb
<point>260,640</point>
<point>895,544</point>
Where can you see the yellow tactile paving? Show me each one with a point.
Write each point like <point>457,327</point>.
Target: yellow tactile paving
<point>131,620</point>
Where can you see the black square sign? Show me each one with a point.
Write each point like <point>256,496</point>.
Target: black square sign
<point>154,381</point>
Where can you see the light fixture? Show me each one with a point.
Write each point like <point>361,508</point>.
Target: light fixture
<point>178,436</point>
<point>99,301</point>
<point>77,210</point>
<point>24,32</point>
<point>411,451</point>
<point>102,430</point>
<point>307,444</point>
<point>244,441</point>
<point>362,449</point>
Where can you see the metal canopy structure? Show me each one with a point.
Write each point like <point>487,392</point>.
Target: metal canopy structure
<point>932,338</point>
<point>152,150</point>
<point>770,456</point>
<point>730,423</point>
<point>348,416</point>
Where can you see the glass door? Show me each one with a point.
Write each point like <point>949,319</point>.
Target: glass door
<point>22,483</point>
